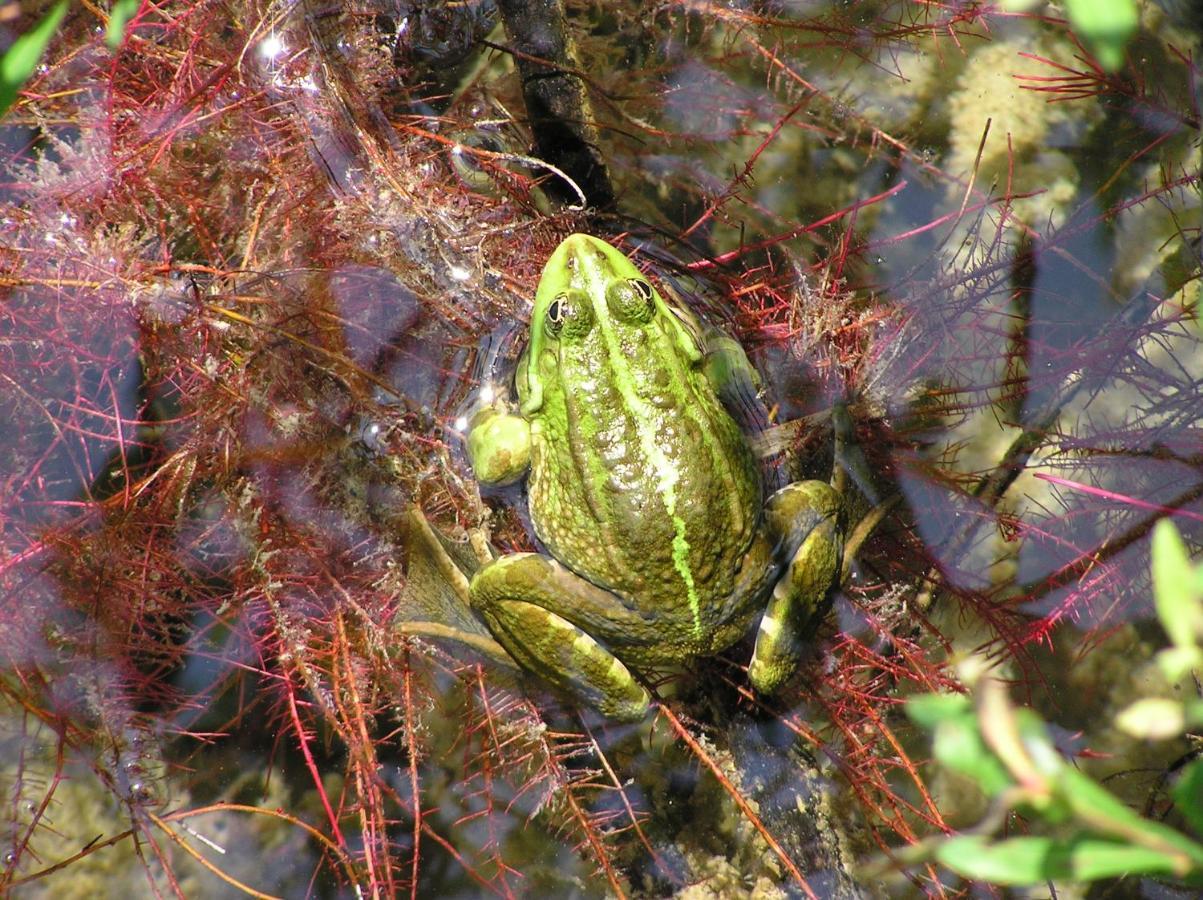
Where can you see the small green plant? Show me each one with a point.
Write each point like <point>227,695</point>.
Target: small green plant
<point>19,61</point>
<point>1105,26</point>
<point>1088,833</point>
<point>119,16</point>
<point>1178,593</point>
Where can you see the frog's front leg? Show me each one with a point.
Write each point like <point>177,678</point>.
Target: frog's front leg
<point>499,446</point>
<point>805,515</point>
<point>524,599</point>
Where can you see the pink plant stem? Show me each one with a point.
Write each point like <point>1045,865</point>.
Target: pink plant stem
<point>1121,498</point>
<point>303,741</point>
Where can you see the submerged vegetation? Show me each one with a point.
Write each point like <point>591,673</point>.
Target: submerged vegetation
<point>257,260</point>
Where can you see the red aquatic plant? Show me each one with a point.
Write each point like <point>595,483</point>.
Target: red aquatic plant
<point>253,263</point>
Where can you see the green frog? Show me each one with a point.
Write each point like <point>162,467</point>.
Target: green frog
<point>646,494</point>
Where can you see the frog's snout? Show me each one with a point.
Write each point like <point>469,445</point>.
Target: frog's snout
<point>577,247</point>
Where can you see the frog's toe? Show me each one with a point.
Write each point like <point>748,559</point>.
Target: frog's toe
<point>778,649</point>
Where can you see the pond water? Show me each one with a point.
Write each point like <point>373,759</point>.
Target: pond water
<point>258,261</point>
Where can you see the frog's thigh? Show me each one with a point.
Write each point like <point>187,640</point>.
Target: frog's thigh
<point>516,594</point>
<point>805,515</point>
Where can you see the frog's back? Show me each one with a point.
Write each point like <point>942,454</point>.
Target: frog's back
<point>643,484</point>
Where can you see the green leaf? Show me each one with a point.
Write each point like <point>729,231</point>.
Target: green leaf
<point>1178,662</point>
<point>1105,26</point>
<point>929,710</point>
<point>21,59</point>
<point>959,745</point>
<point>1188,795</point>
<point>119,16</point>
<point>1089,859</point>
<point>1033,860</point>
<point>1015,861</point>
<point>956,741</point>
<point>1176,589</point>
<point>1033,731</point>
<point>1095,806</point>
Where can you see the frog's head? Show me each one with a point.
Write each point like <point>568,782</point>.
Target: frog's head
<point>590,290</point>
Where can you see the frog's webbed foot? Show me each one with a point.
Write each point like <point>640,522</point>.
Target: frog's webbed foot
<point>805,515</point>
<point>516,596</point>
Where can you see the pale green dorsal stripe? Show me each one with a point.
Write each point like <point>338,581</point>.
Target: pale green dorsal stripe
<point>645,419</point>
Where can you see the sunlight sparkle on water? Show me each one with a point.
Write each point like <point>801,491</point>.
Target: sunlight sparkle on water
<point>485,397</point>
<point>271,46</point>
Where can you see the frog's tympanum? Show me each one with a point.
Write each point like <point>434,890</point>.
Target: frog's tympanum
<point>647,496</point>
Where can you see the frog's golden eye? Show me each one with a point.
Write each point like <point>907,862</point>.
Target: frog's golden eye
<point>631,300</point>
<point>568,316</point>
<point>555,313</point>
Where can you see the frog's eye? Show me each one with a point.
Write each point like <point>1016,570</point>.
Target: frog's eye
<point>568,316</point>
<point>631,300</point>
<point>555,313</point>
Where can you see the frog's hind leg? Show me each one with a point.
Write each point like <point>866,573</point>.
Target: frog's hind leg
<point>805,515</point>
<point>516,596</point>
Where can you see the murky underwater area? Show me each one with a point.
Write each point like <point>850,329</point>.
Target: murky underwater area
<point>261,266</point>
